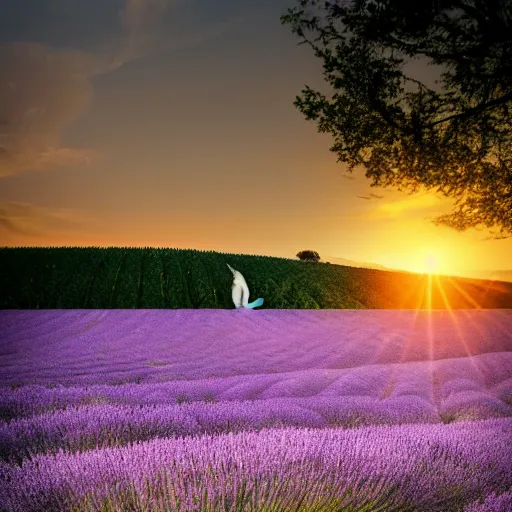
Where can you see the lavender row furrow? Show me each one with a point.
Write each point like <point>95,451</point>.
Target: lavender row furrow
<point>447,385</point>
<point>84,428</point>
<point>119,346</point>
<point>427,463</point>
<point>87,427</point>
<point>493,503</point>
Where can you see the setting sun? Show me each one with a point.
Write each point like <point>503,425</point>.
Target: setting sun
<point>430,259</point>
<point>431,263</point>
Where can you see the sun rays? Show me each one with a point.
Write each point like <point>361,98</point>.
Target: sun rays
<point>432,295</point>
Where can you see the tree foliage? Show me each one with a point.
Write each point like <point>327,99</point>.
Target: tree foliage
<point>453,137</point>
<point>308,256</point>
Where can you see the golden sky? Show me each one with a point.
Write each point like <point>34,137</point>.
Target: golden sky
<point>171,124</point>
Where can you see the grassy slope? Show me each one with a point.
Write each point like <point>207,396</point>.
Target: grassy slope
<point>126,278</point>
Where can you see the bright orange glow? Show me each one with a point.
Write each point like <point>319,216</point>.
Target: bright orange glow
<point>426,255</point>
<point>431,263</point>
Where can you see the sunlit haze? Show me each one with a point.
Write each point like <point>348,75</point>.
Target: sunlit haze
<point>171,124</point>
<point>431,263</point>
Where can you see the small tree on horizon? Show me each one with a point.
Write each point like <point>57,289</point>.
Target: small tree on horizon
<point>308,256</point>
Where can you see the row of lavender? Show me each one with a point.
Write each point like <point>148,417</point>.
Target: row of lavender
<point>87,427</point>
<point>447,385</point>
<point>407,468</point>
<point>191,432</point>
<point>115,347</point>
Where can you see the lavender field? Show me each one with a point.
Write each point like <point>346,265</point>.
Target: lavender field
<point>263,410</point>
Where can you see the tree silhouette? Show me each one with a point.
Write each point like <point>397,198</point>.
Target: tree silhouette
<point>308,256</point>
<point>454,137</point>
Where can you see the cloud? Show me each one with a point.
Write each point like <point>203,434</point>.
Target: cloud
<point>395,209</point>
<point>146,31</point>
<point>371,197</point>
<point>139,13</point>
<point>137,19</point>
<point>42,90</point>
<point>25,220</point>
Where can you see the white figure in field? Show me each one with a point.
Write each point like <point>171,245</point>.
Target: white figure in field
<point>240,291</point>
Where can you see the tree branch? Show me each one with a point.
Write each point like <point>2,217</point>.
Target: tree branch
<point>474,110</point>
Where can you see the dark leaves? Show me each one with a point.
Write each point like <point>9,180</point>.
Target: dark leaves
<point>454,138</point>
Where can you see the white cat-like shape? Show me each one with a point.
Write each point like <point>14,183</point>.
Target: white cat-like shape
<point>240,291</point>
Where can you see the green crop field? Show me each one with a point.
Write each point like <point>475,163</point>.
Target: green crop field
<point>149,278</point>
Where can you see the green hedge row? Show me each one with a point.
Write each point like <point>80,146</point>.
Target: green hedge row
<point>126,278</point>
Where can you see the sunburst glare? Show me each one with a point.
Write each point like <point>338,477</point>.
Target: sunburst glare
<point>431,263</point>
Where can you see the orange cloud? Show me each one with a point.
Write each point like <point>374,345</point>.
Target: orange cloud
<point>410,204</point>
<point>27,221</point>
<point>42,91</point>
